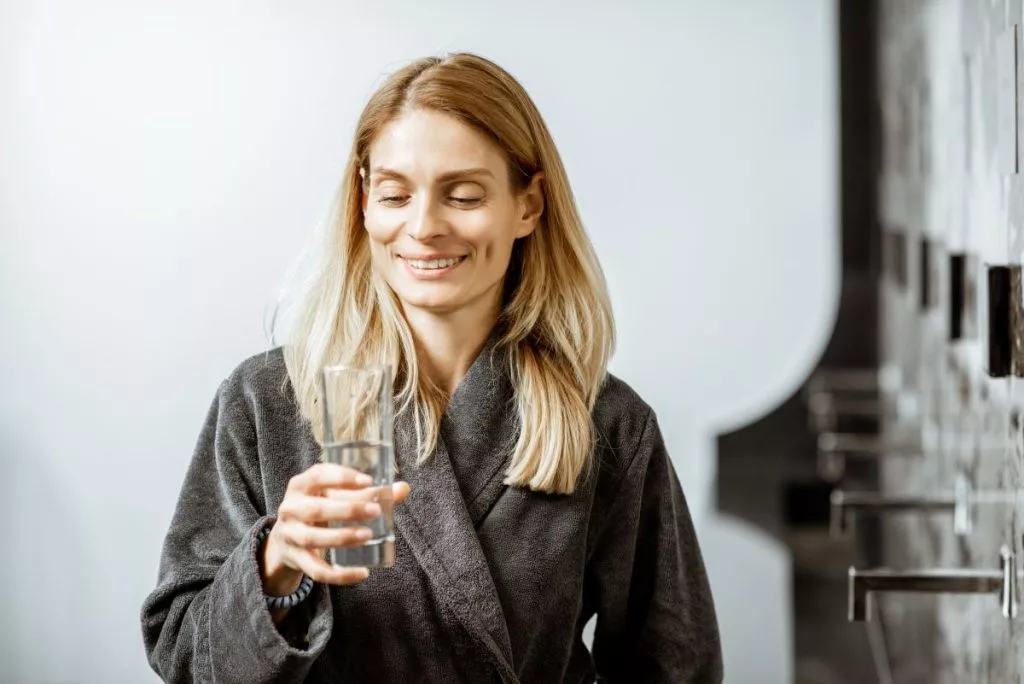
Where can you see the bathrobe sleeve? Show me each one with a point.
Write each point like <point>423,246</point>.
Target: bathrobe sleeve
<point>206,621</point>
<point>655,614</point>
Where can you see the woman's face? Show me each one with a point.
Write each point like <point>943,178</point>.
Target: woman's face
<point>441,213</point>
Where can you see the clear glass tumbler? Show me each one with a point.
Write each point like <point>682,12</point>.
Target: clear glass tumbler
<point>358,434</point>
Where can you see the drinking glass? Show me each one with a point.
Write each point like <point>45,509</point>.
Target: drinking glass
<point>358,434</point>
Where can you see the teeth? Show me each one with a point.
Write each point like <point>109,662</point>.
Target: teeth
<point>433,264</point>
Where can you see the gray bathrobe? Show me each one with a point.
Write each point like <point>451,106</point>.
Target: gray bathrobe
<point>491,583</point>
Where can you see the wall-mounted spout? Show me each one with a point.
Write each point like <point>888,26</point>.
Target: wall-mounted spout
<point>1003,582</point>
<point>845,506</point>
<point>825,409</point>
<point>866,380</point>
<point>834,448</point>
<point>962,502</point>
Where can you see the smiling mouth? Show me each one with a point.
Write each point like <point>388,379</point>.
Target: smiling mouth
<point>433,264</point>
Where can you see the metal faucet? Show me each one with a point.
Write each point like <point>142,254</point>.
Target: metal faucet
<point>835,447</point>
<point>869,379</point>
<point>845,506</point>
<point>962,502</point>
<point>825,408</point>
<point>1004,582</point>
<point>870,445</point>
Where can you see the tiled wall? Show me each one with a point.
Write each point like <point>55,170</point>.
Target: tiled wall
<point>950,81</point>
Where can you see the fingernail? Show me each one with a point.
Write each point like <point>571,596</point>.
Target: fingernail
<point>364,480</point>
<point>364,534</point>
<point>372,509</point>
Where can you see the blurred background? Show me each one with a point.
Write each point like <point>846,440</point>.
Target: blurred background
<point>809,213</point>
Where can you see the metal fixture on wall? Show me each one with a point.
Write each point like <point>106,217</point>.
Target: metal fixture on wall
<point>1004,582</point>
<point>962,502</point>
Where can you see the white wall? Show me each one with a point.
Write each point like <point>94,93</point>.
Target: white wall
<point>160,168</point>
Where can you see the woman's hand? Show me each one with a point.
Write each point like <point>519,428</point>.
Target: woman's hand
<point>298,540</point>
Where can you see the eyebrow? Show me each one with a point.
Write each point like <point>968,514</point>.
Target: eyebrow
<point>444,177</point>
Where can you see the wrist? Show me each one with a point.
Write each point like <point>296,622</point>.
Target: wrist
<point>278,578</point>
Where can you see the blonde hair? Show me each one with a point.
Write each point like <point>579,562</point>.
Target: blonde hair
<point>556,319</point>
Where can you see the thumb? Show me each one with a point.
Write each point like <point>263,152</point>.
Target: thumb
<point>399,491</point>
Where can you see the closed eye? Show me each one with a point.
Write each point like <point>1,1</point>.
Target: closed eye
<point>396,200</point>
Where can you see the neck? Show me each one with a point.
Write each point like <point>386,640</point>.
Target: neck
<point>447,344</point>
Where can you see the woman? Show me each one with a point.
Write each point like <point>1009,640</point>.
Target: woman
<point>538,490</point>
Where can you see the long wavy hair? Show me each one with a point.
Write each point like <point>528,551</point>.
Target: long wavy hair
<point>556,319</point>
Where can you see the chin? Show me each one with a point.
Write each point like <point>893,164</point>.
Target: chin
<point>435,302</point>
<point>436,308</point>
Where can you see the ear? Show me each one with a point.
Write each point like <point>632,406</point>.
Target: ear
<point>531,203</point>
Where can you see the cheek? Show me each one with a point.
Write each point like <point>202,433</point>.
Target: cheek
<point>379,226</point>
<point>499,249</point>
<point>491,238</point>
<point>379,236</point>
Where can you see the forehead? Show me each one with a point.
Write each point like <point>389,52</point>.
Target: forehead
<point>424,144</point>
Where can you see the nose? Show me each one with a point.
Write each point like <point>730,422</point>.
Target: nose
<point>425,222</point>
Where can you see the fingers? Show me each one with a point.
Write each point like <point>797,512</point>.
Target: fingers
<point>399,491</point>
<point>317,538</point>
<point>323,494</point>
<point>319,570</point>
<point>321,509</point>
<point>350,505</point>
<point>328,475</point>
<point>365,494</point>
